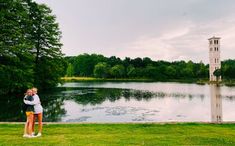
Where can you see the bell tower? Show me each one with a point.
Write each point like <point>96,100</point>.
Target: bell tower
<point>214,56</point>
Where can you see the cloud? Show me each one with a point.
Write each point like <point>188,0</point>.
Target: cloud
<point>159,29</point>
<point>186,41</point>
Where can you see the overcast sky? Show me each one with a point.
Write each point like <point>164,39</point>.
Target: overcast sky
<point>160,29</point>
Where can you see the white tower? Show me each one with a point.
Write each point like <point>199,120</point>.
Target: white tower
<point>214,55</point>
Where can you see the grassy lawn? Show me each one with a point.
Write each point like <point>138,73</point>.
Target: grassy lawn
<point>122,134</point>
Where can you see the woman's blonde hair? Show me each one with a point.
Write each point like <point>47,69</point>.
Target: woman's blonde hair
<point>34,89</point>
<point>26,93</point>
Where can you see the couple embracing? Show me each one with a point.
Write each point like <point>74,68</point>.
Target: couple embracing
<point>33,109</point>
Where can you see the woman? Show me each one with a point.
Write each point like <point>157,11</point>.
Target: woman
<point>29,111</point>
<point>38,110</point>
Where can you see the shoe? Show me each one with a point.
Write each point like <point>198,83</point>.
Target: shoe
<point>31,136</point>
<point>25,135</point>
<point>39,134</point>
<point>28,136</point>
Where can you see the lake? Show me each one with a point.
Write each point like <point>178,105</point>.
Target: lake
<point>130,102</point>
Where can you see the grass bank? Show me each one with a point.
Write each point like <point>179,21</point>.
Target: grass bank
<point>80,79</point>
<point>122,134</point>
<point>92,79</point>
<point>225,82</point>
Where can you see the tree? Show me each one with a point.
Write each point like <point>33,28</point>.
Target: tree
<point>70,70</point>
<point>45,37</point>
<point>171,72</point>
<point>84,64</point>
<point>137,62</point>
<point>150,72</point>
<point>147,61</point>
<point>15,55</point>
<point>131,71</point>
<point>202,71</point>
<point>228,69</point>
<point>117,71</point>
<point>113,60</point>
<point>217,73</point>
<point>126,61</point>
<point>101,70</point>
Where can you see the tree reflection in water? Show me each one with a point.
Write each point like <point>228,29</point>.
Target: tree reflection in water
<point>53,108</point>
<point>96,96</point>
<point>53,101</point>
<point>11,108</point>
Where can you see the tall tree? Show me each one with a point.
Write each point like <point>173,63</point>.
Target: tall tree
<point>45,36</point>
<point>15,54</point>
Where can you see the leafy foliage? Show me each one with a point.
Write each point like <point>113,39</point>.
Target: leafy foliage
<point>29,46</point>
<point>114,67</point>
<point>101,70</point>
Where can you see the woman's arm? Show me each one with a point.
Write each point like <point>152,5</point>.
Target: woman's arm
<point>33,102</point>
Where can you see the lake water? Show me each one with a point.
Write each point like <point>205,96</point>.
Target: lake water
<point>130,102</point>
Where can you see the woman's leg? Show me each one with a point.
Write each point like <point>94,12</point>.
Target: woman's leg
<point>40,123</point>
<point>34,120</point>
<point>25,127</point>
<point>30,123</point>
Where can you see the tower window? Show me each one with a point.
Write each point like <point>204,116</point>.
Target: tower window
<point>215,61</point>
<point>210,49</point>
<point>216,42</point>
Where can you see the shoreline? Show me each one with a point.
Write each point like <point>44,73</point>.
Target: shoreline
<point>190,81</point>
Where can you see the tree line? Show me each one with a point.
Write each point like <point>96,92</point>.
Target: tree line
<point>30,54</point>
<point>30,48</point>
<point>94,65</point>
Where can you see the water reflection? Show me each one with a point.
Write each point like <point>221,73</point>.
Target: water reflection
<point>93,104</point>
<point>53,108</point>
<point>216,104</point>
<point>96,96</point>
<point>11,108</point>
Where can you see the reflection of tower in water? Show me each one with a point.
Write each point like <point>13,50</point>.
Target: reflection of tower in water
<point>216,104</point>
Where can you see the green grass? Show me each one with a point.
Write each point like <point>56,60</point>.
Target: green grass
<point>122,134</point>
